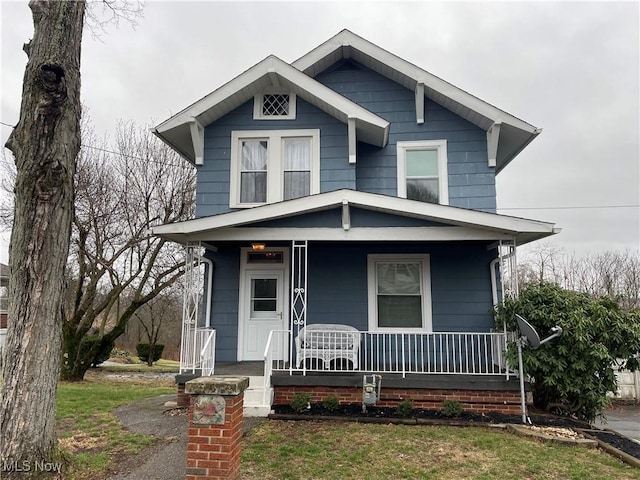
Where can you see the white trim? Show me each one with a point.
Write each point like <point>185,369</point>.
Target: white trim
<point>346,44</point>
<point>246,267</point>
<point>493,139</point>
<point>348,233</point>
<point>427,318</point>
<point>197,137</point>
<point>258,99</point>
<point>525,229</point>
<point>352,139</point>
<point>440,146</point>
<point>176,133</point>
<point>275,188</point>
<point>419,103</point>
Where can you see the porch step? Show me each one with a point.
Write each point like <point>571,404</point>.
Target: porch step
<point>254,403</point>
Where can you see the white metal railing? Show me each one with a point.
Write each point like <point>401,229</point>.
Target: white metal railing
<point>399,353</point>
<point>198,350</point>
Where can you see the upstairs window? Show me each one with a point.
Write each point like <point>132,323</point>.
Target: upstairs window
<point>274,106</point>
<point>273,165</point>
<point>422,171</point>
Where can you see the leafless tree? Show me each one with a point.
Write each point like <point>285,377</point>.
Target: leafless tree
<point>156,315</point>
<point>612,273</point>
<point>115,265</point>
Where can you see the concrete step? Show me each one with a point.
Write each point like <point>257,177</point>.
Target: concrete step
<point>254,398</point>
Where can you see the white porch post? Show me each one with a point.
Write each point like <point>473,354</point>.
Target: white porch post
<point>298,292</point>
<point>191,308</point>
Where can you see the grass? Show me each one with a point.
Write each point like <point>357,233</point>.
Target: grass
<point>314,450</point>
<point>91,438</point>
<point>89,434</point>
<point>161,366</point>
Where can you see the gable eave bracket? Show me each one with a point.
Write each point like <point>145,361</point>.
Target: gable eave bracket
<point>197,138</point>
<point>346,215</point>
<point>493,137</point>
<point>420,103</point>
<point>351,132</point>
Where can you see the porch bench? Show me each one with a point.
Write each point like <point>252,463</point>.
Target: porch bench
<point>328,342</point>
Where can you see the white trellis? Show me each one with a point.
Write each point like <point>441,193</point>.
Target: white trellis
<point>298,290</point>
<point>197,353</point>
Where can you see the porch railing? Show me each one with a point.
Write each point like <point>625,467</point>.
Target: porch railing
<point>198,351</point>
<point>399,353</point>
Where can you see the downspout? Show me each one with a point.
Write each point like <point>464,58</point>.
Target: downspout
<point>209,263</point>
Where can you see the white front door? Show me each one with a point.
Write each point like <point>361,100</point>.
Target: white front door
<point>264,309</point>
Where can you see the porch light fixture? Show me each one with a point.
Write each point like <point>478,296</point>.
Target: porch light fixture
<point>258,247</point>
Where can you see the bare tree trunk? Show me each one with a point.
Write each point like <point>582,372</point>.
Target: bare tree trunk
<point>45,144</point>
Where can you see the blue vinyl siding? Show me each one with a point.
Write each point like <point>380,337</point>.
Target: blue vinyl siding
<point>212,193</point>
<point>333,219</point>
<point>460,284</point>
<point>224,309</point>
<point>471,181</point>
<point>337,287</point>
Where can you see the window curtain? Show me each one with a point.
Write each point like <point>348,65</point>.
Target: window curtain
<point>399,295</point>
<point>253,174</point>
<point>297,168</point>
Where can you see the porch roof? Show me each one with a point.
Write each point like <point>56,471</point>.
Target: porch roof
<point>454,223</point>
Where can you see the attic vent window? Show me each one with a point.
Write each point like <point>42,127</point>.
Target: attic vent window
<point>275,106</point>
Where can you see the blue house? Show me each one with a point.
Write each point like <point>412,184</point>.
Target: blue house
<point>346,225</point>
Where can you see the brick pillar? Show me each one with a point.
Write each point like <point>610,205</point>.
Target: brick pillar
<point>215,427</point>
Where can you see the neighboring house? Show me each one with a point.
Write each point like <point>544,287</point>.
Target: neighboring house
<point>353,188</point>
<point>4,304</point>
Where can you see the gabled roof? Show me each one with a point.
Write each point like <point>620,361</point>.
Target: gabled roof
<point>181,130</point>
<point>466,224</point>
<point>513,134</point>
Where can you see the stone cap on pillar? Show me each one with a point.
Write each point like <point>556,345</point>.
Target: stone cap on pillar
<point>220,385</point>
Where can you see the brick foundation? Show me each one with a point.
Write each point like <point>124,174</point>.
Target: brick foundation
<point>213,450</point>
<point>476,401</point>
<point>183,398</point>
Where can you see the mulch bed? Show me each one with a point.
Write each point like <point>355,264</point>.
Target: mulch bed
<point>380,414</point>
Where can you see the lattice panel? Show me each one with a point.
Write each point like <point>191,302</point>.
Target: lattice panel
<point>275,105</point>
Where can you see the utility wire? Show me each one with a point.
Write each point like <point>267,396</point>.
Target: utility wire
<point>573,207</point>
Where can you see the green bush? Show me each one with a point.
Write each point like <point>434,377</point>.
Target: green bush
<point>405,407</point>
<point>331,403</point>
<point>89,342</point>
<point>301,402</point>
<point>572,374</point>
<point>452,408</point>
<point>144,351</point>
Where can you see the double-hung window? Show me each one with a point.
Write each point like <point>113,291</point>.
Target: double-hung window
<point>399,292</point>
<point>273,165</point>
<point>422,171</point>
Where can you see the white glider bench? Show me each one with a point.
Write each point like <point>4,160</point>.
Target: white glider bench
<point>328,342</point>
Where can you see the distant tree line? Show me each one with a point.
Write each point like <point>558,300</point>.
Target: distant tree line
<point>614,274</point>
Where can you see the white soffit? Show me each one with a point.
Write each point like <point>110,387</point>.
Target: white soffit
<point>526,229</point>
<point>175,131</point>
<point>480,113</point>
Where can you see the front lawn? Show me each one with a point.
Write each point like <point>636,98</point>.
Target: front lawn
<point>327,450</point>
<point>89,434</point>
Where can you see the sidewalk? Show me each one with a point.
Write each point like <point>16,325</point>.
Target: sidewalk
<point>624,419</point>
<point>167,460</point>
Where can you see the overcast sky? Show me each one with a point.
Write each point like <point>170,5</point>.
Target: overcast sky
<point>571,69</point>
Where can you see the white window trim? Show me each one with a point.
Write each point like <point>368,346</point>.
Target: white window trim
<point>257,106</point>
<point>438,145</point>
<point>275,188</point>
<point>427,320</point>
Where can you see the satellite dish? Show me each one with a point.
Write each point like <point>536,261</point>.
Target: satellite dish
<point>531,336</point>
<point>528,332</point>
